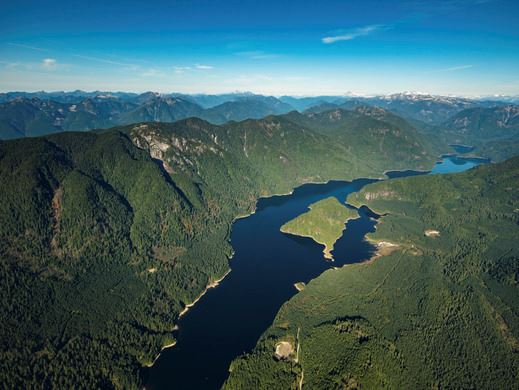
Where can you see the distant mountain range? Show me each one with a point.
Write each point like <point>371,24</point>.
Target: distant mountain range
<point>25,114</point>
<point>417,107</point>
<point>442,119</point>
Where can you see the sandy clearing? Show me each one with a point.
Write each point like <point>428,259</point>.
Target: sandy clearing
<point>432,233</point>
<point>284,349</point>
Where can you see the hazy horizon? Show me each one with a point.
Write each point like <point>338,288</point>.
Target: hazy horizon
<point>252,93</point>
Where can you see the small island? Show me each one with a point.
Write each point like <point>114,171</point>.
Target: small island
<point>324,223</point>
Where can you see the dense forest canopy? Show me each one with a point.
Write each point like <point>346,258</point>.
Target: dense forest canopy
<point>106,236</point>
<point>182,183</point>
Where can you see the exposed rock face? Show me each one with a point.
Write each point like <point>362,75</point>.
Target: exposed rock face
<point>379,195</point>
<point>432,233</point>
<point>149,140</point>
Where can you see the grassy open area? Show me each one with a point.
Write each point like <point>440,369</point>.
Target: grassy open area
<point>324,223</point>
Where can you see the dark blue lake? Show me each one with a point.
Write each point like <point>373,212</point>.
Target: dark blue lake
<point>448,164</point>
<point>229,319</point>
<point>462,149</point>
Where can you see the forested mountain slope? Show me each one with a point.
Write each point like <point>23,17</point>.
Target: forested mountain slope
<point>245,108</point>
<point>486,123</point>
<point>371,132</point>
<point>493,131</point>
<point>106,236</point>
<point>490,127</point>
<point>439,312</point>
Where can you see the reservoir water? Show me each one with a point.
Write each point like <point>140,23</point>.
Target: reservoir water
<point>462,149</point>
<point>229,319</point>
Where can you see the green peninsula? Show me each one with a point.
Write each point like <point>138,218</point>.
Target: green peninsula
<point>324,223</point>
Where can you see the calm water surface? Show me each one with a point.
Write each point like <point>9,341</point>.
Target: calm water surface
<point>462,149</point>
<point>228,320</point>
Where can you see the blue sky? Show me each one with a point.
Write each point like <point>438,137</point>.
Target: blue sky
<point>460,47</point>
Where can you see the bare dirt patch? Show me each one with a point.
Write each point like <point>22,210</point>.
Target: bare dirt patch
<point>384,248</point>
<point>284,350</point>
<point>432,233</point>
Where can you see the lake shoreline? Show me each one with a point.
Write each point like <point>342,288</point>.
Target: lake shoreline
<point>242,216</point>
<point>253,211</point>
<point>209,286</point>
<point>184,312</point>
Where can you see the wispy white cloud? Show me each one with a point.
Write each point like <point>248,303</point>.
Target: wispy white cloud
<point>355,33</point>
<point>49,63</point>
<point>45,64</point>
<point>9,64</point>
<point>181,69</point>
<point>21,45</point>
<point>451,69</point>
<point>204,67</point>
<point>131,60</point>
<point>106,61</point>
<point>153,72</point>
<point>257,55</point>
<point>455,68</point>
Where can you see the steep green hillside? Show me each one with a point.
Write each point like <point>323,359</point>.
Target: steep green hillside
<point>324,223</point>
<point>486,123</point>
<point>245,108</point>
<point>85,220</point>
<point>373,133</point>
<point>305,103</point>
<point>30,117</point>
<point>159,109</point>
<point>349,104</point>
<point>440,312</point>
<point>106,236</point>
<point>493,131</point>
